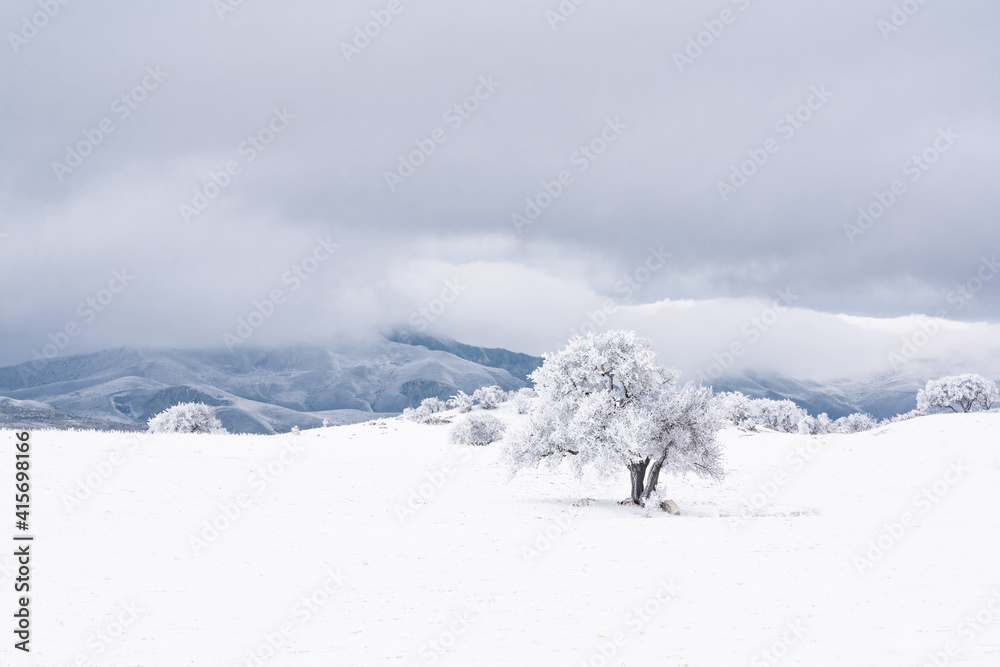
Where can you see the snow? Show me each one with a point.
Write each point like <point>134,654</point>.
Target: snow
<point>725,580</point>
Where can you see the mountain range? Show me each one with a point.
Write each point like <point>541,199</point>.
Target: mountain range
<point>273,390</point>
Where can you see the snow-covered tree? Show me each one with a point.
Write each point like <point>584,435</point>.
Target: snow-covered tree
<point>477,430</point>
<point>489,398</point>
<point>959,393</point>
<point>856,423</point>
<point>818,425</point>
<point>738,408</point>
<point>460,401</point>
<point>522,399</point>
<point>186,418</point>
<point>424,413</point>
<point>604,401</point>
<point>783,415</point>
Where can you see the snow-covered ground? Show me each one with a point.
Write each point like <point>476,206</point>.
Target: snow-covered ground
<point>383,544</point>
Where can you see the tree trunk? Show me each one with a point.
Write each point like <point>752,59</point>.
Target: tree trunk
<point>638,472</point>
<point>654,473</point>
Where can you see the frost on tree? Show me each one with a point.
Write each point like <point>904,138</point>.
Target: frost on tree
<point>489,398</point>
<point>477,430</point>
<point>959,393</point>
<point>461,401</point>
<point>604,402</point>
<point>186,418</point>
<point>426,411</point>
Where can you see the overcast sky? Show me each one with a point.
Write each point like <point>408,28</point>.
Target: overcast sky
<point>117,115</point>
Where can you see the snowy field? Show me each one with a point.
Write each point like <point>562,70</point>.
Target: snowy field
<point>382,544</point>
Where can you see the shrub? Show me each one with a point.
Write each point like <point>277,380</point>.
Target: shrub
<point>186,418</point>
<point>912,414</point>
<point>477,430</point>
<point>856,423</point>
<point>816,425</point>
<point>461,401</point>
<point>522,399</point>
<point>783,416</point>
<point>425,413</point>
<point>489,397</point>
<point>737,408</point>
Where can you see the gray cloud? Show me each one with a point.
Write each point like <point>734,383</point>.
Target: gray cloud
<point>324,175</point>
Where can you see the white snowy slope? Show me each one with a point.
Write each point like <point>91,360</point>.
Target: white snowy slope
<point>468,577</point>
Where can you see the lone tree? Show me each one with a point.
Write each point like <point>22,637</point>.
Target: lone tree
<point>604,401</point>
<point>958,393</point>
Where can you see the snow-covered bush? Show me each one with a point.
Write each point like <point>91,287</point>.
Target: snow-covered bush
<point>738,408</point>
<point>425,413</point>
<point>460,401</point>
<point>783,416</point>
<point>954,392</point>
<point>522,399</point>
<point>186,418</point>
<point>856,423</point>
<point>604,402</point>
<point>489,398</point>
<point>905,416</point>
<point>818,425</point>
<point>477,430</point>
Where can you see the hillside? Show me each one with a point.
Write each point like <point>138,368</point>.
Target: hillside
<point>256,390</point>
<point>429,555</point>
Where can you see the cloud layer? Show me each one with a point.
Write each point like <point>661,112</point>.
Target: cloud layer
<point>538,154</point>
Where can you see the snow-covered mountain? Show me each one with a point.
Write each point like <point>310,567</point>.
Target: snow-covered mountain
<point>881,396</point>
<point>272,390</point>
<point>261,390</point>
